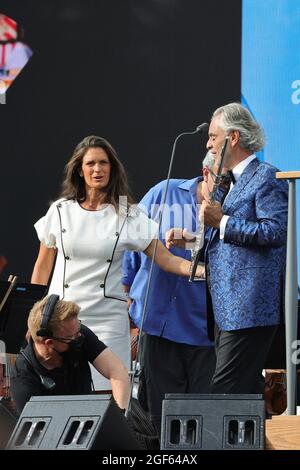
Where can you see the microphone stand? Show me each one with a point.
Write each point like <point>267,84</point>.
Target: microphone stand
<point>201,128</point>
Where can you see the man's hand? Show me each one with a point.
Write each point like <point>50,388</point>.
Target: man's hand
<point>200,272</point>
<point>212,213</point>
<point>129,302</point>
<point>179,238</point>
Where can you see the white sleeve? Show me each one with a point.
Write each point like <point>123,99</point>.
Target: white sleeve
<point>140,231</point>
<point>47,227</point>
<point>223,226</point>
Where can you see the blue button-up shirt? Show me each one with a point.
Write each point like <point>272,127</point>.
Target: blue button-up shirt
<point>176,308</point>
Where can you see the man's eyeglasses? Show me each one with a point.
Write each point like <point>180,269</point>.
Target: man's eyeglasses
<point>224,179</point>
<point>68,340</point>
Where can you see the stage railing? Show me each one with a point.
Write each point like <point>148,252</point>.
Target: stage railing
<point>291,290</point>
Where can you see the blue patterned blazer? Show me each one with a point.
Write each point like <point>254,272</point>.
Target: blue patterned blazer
<point>247,268</point>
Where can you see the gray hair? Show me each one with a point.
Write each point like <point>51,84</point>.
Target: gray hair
<point>234,117</point>
<point>209,160</point>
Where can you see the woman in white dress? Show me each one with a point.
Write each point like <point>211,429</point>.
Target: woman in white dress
<point>86,232</point>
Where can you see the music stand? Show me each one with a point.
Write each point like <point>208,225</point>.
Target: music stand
<point>13,316</point>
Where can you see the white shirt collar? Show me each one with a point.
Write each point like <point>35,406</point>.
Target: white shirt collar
<point>240,167</point>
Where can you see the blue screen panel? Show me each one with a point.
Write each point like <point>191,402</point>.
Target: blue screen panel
<point>271,80</point>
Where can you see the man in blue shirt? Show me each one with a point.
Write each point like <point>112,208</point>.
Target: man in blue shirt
<point>178,356</point>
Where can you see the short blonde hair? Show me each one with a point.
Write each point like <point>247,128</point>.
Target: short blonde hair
<point>63,310</point>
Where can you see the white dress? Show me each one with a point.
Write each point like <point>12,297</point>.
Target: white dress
<point>88,269</point>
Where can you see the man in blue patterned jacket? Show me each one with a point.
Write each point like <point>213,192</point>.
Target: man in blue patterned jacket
<point>246,253</point>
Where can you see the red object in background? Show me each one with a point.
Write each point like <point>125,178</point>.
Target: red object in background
<point>8,28</point>
<point>3,263</point>
<point>14,54</point>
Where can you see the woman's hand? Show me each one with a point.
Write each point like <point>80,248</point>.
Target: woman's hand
<point>179,238</point>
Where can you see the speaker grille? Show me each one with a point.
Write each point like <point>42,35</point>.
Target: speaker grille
<point>54,423</point>
<point>195,422</point>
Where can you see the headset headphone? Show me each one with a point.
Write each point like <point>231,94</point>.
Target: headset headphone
<point>47,313</point>
<point>46,316</point>
<point>47,382</point>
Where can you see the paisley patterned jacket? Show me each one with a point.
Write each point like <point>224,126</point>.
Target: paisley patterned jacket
<point>247,268</point>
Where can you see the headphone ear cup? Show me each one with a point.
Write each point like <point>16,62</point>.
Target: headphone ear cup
<point>41,333</point>
<point>46,316</point>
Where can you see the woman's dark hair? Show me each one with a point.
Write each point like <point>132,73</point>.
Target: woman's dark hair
<point>73,186</point>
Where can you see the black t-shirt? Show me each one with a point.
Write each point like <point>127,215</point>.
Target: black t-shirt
<point>73,378</point>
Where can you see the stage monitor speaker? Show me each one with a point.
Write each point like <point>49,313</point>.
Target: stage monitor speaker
<point>77,422</point>
<point>7,422</point>
<point>212,422</point>
<point>14,315</point>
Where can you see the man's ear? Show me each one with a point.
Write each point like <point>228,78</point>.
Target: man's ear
<point>48,342</point>
<point>235,137</point>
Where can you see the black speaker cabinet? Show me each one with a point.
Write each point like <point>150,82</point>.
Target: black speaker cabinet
<point>79,422</point>
<point>7,422</point>
<point>195,422</point>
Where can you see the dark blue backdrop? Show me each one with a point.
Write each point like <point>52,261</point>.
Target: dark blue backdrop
<point>137,72</point>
